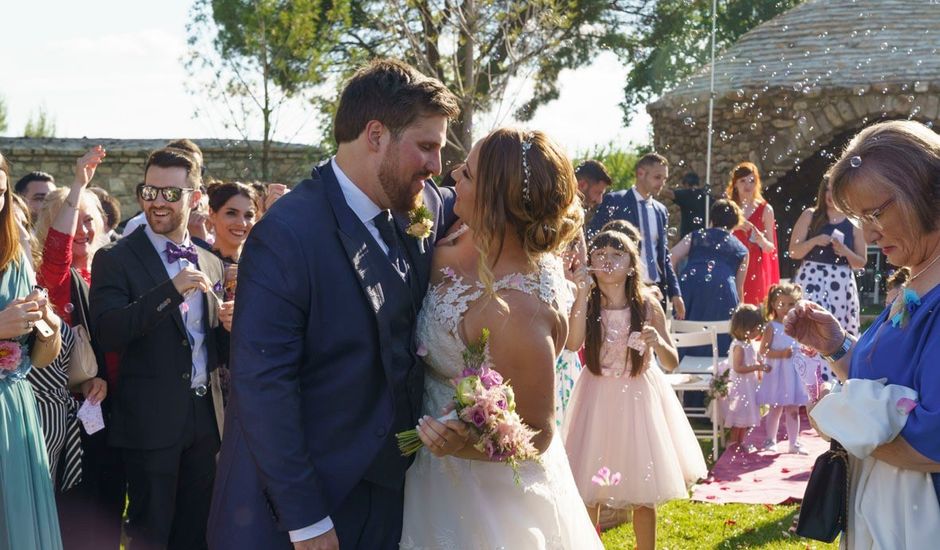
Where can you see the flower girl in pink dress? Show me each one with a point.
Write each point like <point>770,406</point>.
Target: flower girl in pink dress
<point>623,414</point>
<point>742,411</point>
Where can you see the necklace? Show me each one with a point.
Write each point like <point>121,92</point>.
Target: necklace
<point>922,271</point>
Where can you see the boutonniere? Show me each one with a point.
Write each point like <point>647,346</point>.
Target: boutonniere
<point>420,222</point>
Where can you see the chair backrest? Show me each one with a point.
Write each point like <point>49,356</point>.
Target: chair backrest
<point>719,327</point>
<point>693,339</point>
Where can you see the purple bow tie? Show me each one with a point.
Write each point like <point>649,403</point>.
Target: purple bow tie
<point>174,253</point>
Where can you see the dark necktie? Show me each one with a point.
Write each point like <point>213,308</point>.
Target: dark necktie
<point>174,253</point>
<point>647,246</point>
<point>386,226</point>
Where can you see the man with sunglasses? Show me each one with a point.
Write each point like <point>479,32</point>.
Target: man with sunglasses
<point>153,301</point>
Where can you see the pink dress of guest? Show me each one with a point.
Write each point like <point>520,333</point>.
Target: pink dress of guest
<point>742,410</point>
<point>763,268</point>
<point>632,425</point>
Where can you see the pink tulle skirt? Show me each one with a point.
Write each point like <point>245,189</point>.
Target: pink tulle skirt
<point>635,426</point>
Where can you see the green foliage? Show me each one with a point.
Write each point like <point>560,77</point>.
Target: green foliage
<point>285,40</point>
<point>476,46</point>
<point>251,56</point>
<point>3,115</point>
<point>673,39</point>
<point>620,162</point>
<point>40,124</point>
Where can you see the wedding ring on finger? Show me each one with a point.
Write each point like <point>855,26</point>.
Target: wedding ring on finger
<point>29,325</point>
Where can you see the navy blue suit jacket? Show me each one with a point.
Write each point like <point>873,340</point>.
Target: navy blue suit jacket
<point>622,205</point>
<point>310,404</point>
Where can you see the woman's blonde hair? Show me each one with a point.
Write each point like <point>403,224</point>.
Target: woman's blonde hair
<point>524,184</point>
<point>902,157</point>
<point>51,206</point>
<point>742,170</point>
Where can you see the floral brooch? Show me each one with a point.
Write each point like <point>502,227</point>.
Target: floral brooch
<point>420,222</point>
<point>903,307</point>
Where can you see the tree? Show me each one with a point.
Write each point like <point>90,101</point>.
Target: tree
<point>619,160</point>
<point>251,56</point>
<point>476,47</point>
<point>40,125</point>
<point>3,115</point>
<point>674,39</point>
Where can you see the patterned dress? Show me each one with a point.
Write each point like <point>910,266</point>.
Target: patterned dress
<point>57,415</point>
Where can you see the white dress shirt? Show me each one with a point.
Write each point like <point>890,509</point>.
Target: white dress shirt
<point>360,203</point>
<point>646,209</point>
<point>193,310</point>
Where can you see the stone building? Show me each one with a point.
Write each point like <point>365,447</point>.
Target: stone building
<point>791,93</point>
<point>123,168</point>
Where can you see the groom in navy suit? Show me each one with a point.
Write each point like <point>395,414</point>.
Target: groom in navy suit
<point>639,207</point>
<point>323,362</point>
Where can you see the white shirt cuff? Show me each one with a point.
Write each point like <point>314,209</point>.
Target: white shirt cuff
<point>312,531</point>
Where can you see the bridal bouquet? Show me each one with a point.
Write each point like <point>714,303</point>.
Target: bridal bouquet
<point>487,405</point>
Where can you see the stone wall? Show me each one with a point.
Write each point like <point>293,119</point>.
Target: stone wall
<point>779,129</point>
<point>123,168</point>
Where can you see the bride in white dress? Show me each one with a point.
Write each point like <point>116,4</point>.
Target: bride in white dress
<point>518,192</point>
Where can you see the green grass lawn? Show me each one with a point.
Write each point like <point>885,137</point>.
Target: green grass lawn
<point>684,524</point>
<point>687,525</point>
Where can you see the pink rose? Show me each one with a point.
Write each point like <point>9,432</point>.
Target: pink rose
<point>10,355</point>
<point>490,378</point>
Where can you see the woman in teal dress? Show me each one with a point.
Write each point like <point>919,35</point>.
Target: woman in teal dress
<point>27,504</point>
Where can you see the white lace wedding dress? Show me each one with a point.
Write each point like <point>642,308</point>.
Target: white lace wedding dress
<point>452,503</point>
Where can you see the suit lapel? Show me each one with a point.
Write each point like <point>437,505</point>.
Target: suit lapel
<point>364,255</point>
<point>154,267</point>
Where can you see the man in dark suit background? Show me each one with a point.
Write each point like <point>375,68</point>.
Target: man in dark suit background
<point>639,207</point>
<point>324,369</point>
<point>152,301</point>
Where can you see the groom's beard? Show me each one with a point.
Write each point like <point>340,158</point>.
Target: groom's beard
<point>397,190</point>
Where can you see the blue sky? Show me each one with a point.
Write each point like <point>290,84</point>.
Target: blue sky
<point>112,69</point>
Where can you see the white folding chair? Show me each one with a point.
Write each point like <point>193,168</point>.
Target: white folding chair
<point>698,381</point>
<point>693,364</point>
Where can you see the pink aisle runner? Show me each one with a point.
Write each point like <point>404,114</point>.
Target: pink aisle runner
<point>762,477</point>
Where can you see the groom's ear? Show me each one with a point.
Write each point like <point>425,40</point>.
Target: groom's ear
<point>375,134</point>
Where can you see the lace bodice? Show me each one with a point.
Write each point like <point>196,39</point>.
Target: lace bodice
<point>446,303</point>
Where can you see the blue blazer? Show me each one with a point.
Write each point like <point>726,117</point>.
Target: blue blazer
<point>622,205</point>
<point>310,403</point>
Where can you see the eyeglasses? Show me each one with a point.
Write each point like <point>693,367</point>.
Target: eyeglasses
<point>873,218</point>
<point>170,194</point>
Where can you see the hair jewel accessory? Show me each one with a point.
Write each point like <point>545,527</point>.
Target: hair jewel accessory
<point>526,171</point>
<point>855,161</point>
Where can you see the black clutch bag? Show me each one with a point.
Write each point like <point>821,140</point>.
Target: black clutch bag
<point>823,514</point>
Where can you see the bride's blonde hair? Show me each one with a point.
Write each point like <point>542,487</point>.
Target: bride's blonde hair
<point>525,184</point>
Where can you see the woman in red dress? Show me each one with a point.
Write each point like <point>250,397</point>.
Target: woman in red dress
<point>758,232</point>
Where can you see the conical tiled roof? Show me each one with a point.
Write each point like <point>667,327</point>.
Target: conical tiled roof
<point>830,44</point>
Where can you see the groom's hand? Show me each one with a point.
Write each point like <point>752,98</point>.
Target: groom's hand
<point>326,541</point>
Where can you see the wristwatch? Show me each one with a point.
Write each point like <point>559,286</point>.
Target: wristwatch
<point>839,353</point>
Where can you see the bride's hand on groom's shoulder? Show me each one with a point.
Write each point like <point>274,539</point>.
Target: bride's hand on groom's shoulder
<point>326,541</point>
<point>442,438</point>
